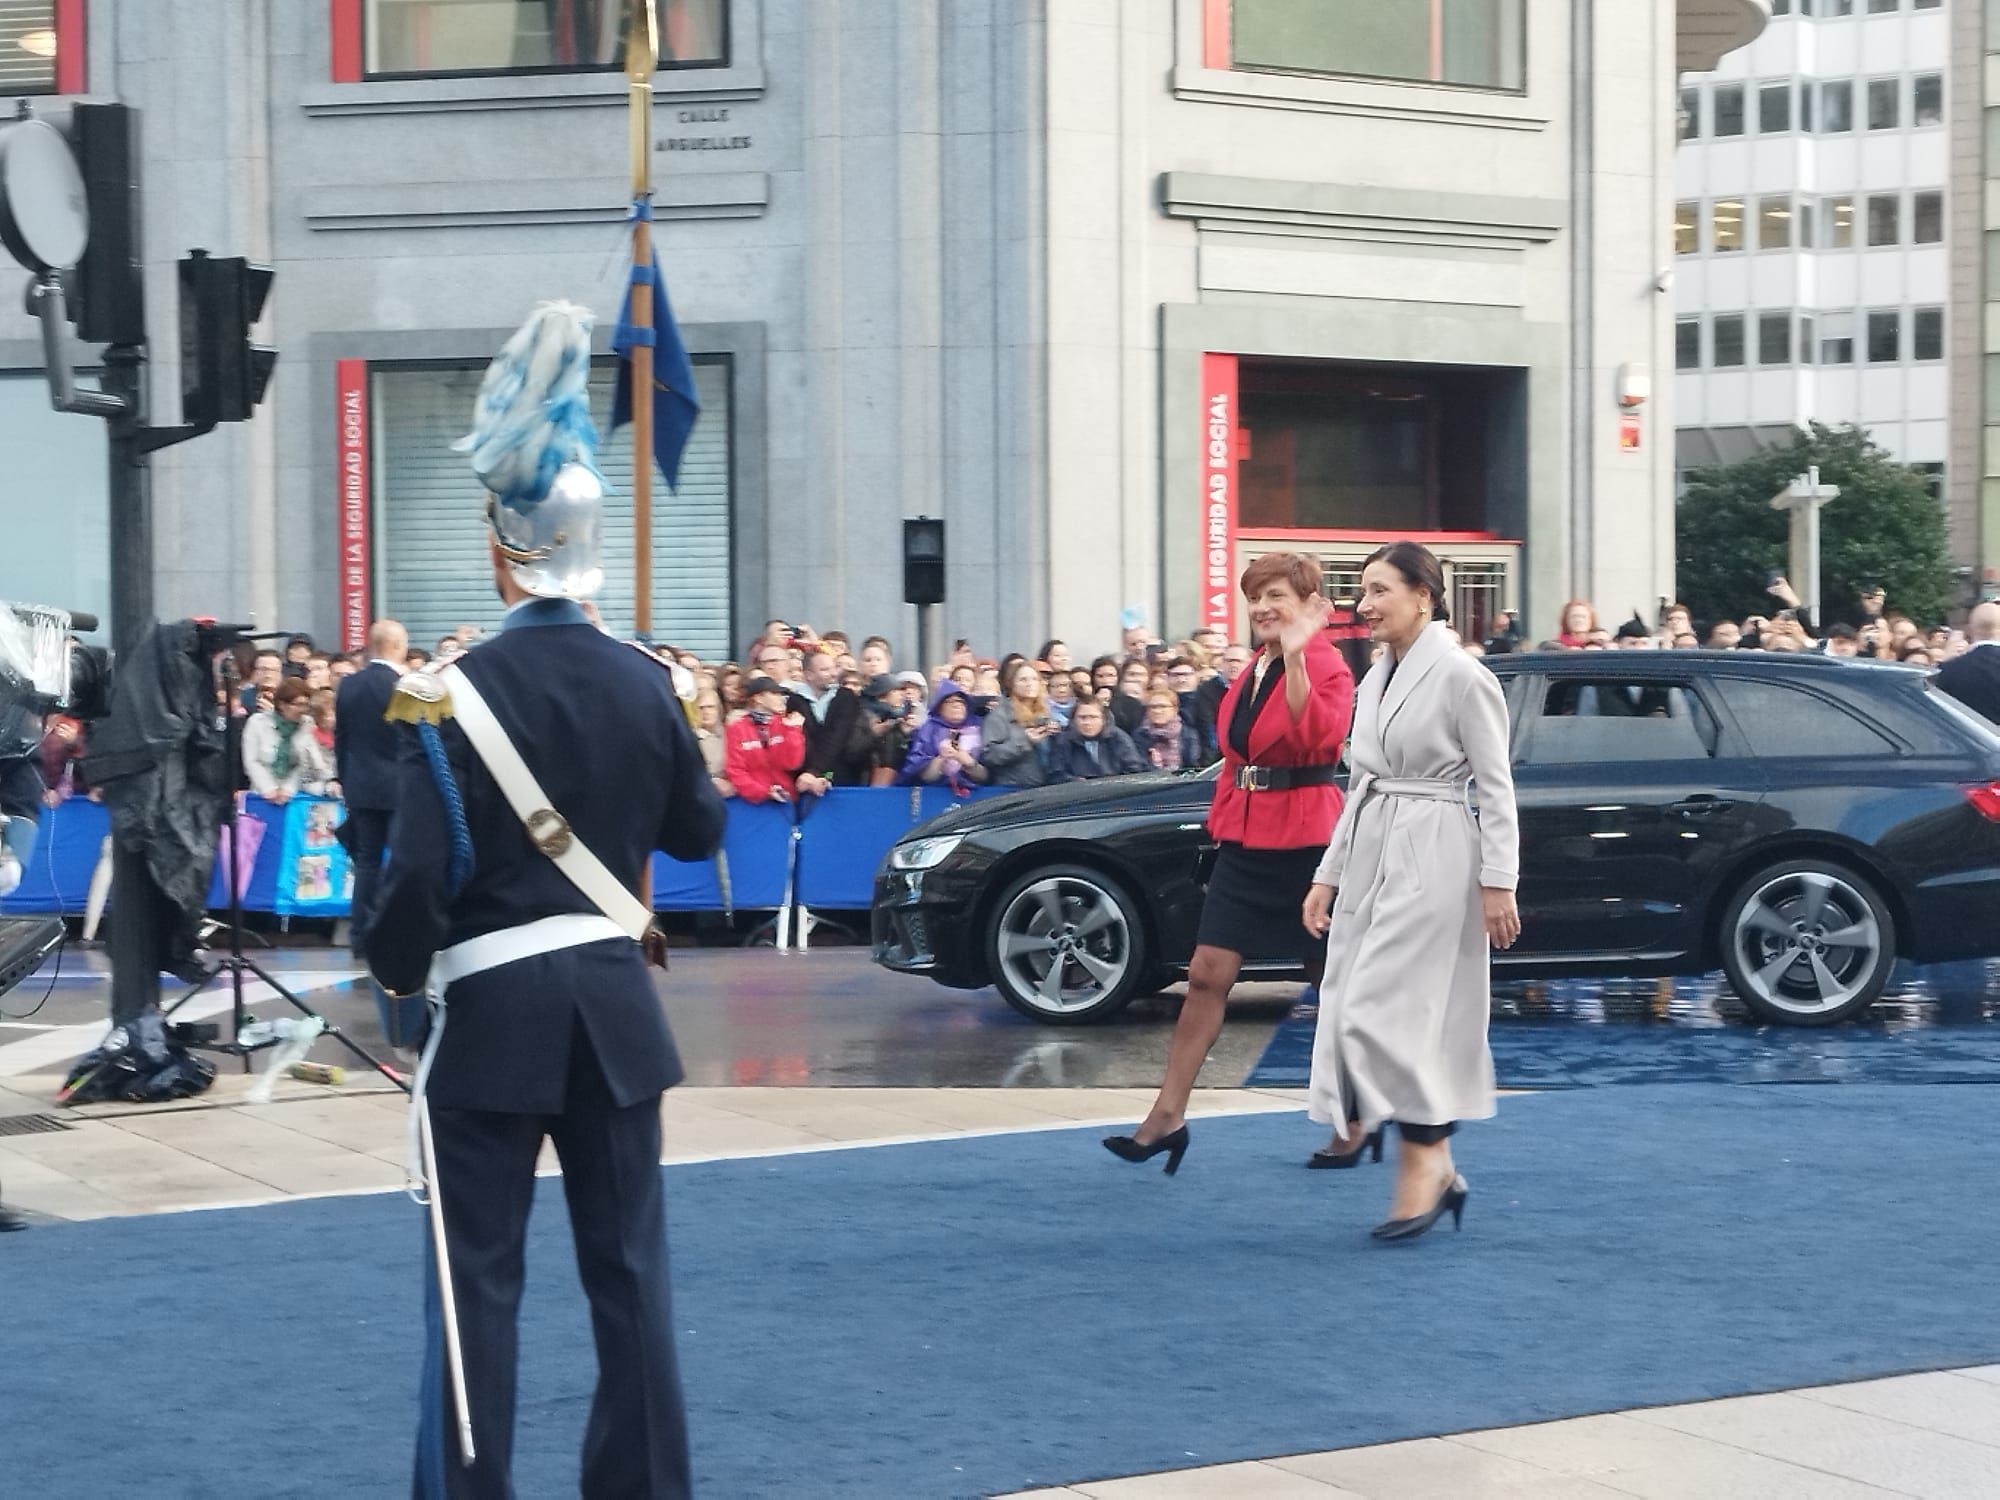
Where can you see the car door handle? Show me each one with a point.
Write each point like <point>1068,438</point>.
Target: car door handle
<point>1700,807</point>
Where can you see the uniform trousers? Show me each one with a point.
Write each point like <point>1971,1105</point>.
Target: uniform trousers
<point>636,1442</point>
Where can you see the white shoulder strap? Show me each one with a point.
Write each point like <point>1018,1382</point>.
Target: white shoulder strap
<point>549,830</point>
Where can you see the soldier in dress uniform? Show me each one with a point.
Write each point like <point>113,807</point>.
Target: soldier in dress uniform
<point>544,768</point>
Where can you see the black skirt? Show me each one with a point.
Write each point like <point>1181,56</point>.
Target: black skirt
<point>1254,903</point>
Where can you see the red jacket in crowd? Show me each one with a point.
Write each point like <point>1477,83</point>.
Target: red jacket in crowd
<point>1298,816</point>
<point>762,760</point>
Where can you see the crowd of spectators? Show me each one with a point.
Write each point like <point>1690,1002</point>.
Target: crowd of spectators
<point>804,710</point>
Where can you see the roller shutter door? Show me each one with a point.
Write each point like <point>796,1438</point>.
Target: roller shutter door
<point>430,530</point>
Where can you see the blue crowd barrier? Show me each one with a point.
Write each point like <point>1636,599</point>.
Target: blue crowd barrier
<point>842,838</point>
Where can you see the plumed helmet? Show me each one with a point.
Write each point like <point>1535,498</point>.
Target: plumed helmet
<point>534,448</point>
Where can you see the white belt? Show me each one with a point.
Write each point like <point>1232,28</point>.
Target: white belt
<point>512,944</point>
<point>1424,788</point>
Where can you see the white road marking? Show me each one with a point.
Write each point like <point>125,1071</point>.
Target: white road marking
<point>58,1044</point>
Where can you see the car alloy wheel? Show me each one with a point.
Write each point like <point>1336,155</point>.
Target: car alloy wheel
<point>1808,943</point>
<point>1066,945</point>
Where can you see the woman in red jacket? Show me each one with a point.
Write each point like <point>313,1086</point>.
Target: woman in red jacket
<point>1280,728</point>
<point>764,748</point>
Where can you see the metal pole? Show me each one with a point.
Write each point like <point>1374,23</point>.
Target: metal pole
<point>134,936</point>
<point>1809,545</point>
<point>642,55</point>
<point>925,627</point>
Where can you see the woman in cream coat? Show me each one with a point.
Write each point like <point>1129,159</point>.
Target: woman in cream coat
<point>1420,881</point>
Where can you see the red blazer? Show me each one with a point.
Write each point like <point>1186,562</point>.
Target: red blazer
<point>757,760</point>
<point>1299,816</point>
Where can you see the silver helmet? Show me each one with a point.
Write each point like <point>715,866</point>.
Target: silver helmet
<point>533,447</point>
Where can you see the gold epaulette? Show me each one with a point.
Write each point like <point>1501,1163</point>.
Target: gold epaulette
<point>419,698</point>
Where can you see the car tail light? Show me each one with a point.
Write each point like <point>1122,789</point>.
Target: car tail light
<point>1985,800</point>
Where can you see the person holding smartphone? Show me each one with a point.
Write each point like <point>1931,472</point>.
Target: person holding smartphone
<point>946,745</point>
<point>1017,729</point>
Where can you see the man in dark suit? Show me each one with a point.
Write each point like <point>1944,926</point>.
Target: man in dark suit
<point>365,748</point>
<point>838,745</point>
<point>1974,678</point>
<point>545,1036</point>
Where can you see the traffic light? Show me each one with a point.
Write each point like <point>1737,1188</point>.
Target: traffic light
<point>223,374</point>
<point>923,560</point>
<point>107,290</point>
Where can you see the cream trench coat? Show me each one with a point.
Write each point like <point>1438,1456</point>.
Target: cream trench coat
<point>1403,1005</point>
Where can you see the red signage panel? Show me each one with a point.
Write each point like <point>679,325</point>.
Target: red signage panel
<point>1218,492</point>
<point>350,383</point>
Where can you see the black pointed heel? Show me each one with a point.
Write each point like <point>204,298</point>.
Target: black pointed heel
<point>1450,1201</point>
<point>1174,1143</point>
<point>1371,1142</point>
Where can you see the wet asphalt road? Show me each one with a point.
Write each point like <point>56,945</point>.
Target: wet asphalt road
<point>829,1017</point>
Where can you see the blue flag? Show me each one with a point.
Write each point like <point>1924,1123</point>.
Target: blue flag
<point>674,404</point>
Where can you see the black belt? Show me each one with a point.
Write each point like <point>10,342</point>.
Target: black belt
<point>1283,778</point>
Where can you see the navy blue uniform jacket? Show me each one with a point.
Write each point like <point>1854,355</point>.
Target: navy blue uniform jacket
<point>365,748</point>
<point>598,724</point>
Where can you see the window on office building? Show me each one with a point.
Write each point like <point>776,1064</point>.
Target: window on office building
<point>1885,219</point>
<point>1836,338</point>
<point>1690,114</point>
<point>1927,99</point>
<point>1927,5</point>
<point>1472,43</point>
<point>1807,346</point>
<point>27,47</point>
<point>1687,228</point>
<point>1774,109</point>
<point>1727,108</point>
<point>1836,107</point>
<point>1926,218</point>
<point>1725,225</point>
<point>1774,223</point>
<point>1774,338</point>
<point>1687,344</point>
<point>1927,333</point>
<point>1728,351</point>
<point>1885,98</point>
<point>430,38</point>
<point>1881,7</point>
<point>1805,236</point>
<point>1832,9</point>
<point>1885,337</point>
<point>1837,222</point>
<point>424,529</point>
<point>1781,7</point>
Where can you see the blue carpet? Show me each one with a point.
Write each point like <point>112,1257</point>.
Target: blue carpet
<point>983,1315</point>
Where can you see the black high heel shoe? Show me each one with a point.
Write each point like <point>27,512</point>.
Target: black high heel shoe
<point>1451,1200</point>
<point>1174,1143</point>
<point>1337,1159</point>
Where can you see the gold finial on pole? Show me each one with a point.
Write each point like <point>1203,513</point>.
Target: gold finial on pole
<point>642,56</point>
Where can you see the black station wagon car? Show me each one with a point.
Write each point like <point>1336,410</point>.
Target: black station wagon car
<point>1797,821</point>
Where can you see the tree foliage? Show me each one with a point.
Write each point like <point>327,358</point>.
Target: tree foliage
<point>1884,531</point>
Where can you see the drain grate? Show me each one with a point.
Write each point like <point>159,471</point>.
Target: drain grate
<point>33,1124</point>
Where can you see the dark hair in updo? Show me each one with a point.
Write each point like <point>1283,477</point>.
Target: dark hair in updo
<point>1420,569</point>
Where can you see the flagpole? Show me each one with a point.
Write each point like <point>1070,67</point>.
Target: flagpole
<point>642,55</point>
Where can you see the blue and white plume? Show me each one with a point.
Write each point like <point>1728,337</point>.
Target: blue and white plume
<point>534,448</point>
<point>533,413</point>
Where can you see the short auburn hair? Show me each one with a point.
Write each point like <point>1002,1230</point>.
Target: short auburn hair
<point>291,690</point>
<point>1299,571</point>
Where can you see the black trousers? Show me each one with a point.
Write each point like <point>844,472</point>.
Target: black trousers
<point>367,837</point>
<point>636,1442</point>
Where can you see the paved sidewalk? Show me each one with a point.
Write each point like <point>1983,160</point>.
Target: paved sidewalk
<point>1936,1436</point>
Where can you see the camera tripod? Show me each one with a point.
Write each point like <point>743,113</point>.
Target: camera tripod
<point>234,963</point>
